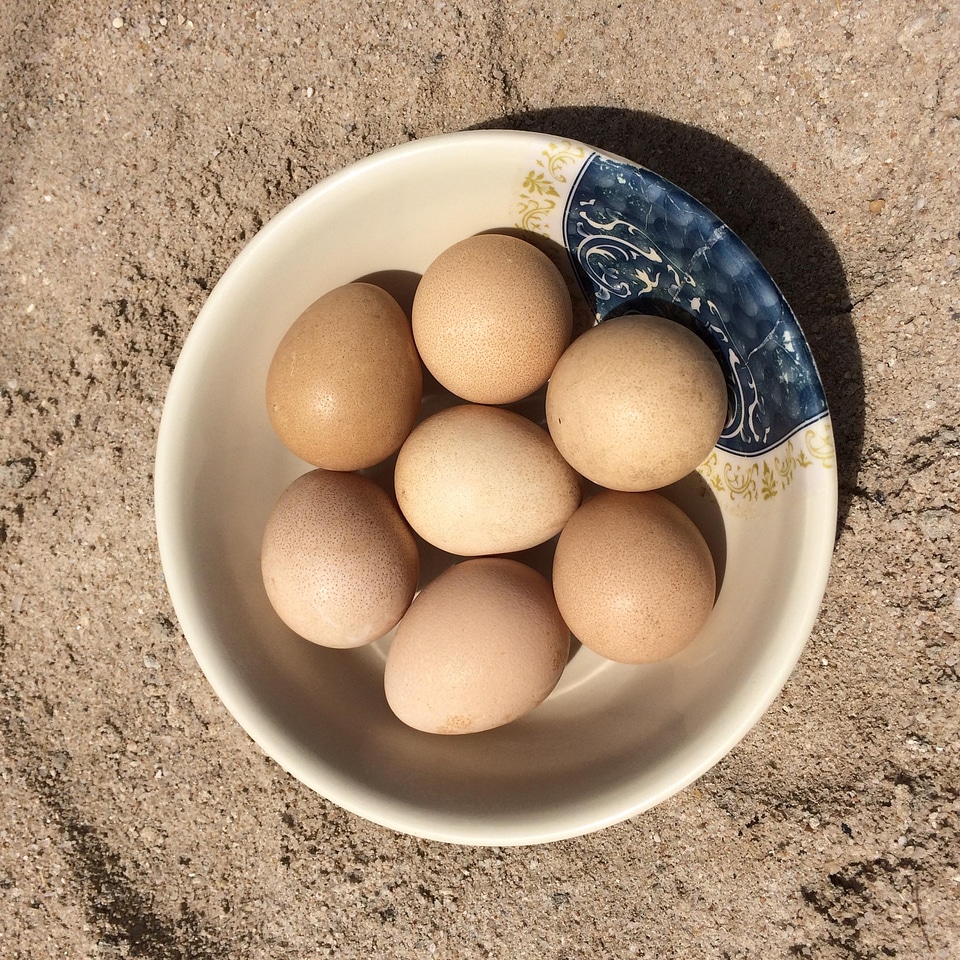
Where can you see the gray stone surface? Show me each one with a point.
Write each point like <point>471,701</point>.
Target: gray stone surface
<point>141,146</point>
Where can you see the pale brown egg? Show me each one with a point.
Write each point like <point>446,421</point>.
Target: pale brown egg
<point>491,317</point>
<point>344,386</point>
<point>633,577</point>
<point>636,403</point>
<point>482,645</point>
<point>476,480</point>
<point>339,564</point>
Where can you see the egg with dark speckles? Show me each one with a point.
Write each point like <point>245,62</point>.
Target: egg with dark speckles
<point>491,316</point>
<point>339,564</point>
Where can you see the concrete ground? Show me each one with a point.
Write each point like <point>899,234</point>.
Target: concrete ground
<point>141,146</point>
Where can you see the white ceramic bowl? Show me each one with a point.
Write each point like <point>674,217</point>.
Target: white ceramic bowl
<point>612,740</point>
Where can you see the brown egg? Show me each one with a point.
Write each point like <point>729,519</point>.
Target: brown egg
<point>339,564</point>
<point>482,645</point>
<point>633,577</point>
<point>343,389</point>
<point>476,480</point>
<point>491,317</point>
<point>636,403</point>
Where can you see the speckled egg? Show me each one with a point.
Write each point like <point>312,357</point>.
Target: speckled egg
<point>344,385</point>
<point>491,317</point>
<point>636,403</point>
<point>339,564</point>
<point>633,577</point>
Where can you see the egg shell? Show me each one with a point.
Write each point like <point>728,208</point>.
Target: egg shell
<point>339,564</point>
<point>633,577</point>
<point>345,383</point>
<point>491,317</point>
<point>476,480</point>
<point>482,645</point>
<point>636,403</point>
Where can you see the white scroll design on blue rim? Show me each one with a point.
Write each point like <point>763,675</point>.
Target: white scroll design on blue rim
<point>639,244</point>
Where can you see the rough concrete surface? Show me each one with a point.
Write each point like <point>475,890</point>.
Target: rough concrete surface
<point>141,146</point>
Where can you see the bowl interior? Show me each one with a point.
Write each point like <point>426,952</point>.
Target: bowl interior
<point>611,740</point>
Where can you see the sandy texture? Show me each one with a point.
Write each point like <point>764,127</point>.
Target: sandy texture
<point>141,146</point>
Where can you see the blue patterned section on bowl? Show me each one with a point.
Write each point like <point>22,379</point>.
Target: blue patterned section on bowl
<point>639,244</point>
